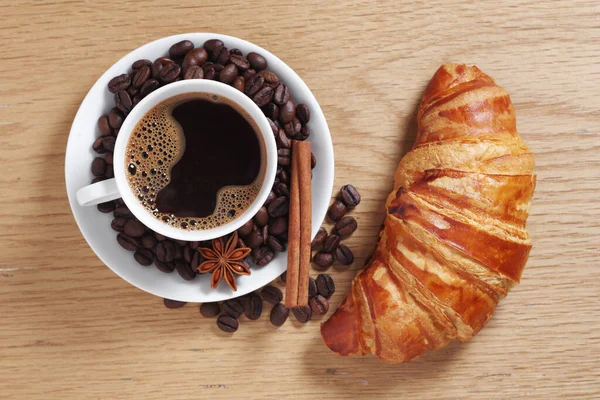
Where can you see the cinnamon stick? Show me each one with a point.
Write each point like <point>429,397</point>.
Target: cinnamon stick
<point>293,269</point>
<point>303,155</point>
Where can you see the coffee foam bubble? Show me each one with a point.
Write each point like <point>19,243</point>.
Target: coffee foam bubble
<point>155,146</point>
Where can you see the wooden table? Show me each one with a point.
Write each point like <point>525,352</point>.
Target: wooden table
<point>71,329</point>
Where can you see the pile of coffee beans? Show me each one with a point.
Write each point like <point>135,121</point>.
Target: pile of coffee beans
<point>266,233</point>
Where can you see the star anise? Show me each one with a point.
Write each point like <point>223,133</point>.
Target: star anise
<point>224,261</point>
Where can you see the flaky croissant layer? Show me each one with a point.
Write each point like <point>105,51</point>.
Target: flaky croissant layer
<point>454,239</point>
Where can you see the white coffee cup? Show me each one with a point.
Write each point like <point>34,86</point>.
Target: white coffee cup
<point>118,187</point>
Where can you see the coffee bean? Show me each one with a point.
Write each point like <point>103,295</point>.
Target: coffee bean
<point>222,56</point>
<point>210,73</point>
<point>233,308</point>
<point>141,76</point>
<point>132,91</point>
<point>271,294</point>
<point>303,113</point>
<point>120,82</point>
<point>187,254</point>
<point>350,196</point>
<point>227,323</point>
<point>274,127</point>
<point>127,242</point>
<point>148,241</point>
<point>287,112</point>
<point>283,141</point>
<point>185,270</point>
<point>325,285</point>
<point>118,224</point>
<point>281,95</point>
<point>319,239</point>
<point>344,255</point>
<point>103,126</point>
<point>270,77</point>
<point>346,226</point>
<point>140,63</point>
<point>248,74</point>
<point>246,229</point>
<point>331,243</point>
<point>180,49</point>
<point>239,83</point>
<point>293,128</point>
<point>115,118</point>
<point>312,288</point>
<point>271,111</point>
<point>319,305</point>
<point>148,87</point>
<point>196,57</point>
<point>283,175</point>
<point>98,166</point>
<point>123,101</point>
<point>210,310</point>
<point>143,256</point>
<point>337,210</point>
<point>196,260</point>
<point>302,314</point>
<point>284,157</point>
<point>194,245</point>
<point>123,212</point>
<point>212,44</point>
<point>279,314</point>
<point>304,133</point>
<point>134,228</point>
<point>275,244</point>
<point>313,161</point>
<point>106,207</point>
<point>228,74</point>
<point>262,255</point>
<point>279,207</point>
<point>109,172</point>
<point>173,304</point>
<point>254,84</point>
<point>254,239</point>
<point>278,226</point>
<point>194,72</point>
<point>239,61</point>
<point>169,73</point>
<point>165,251</point>
<point>262,217</point>
<point>270,197</point>
<point>265,233</point>
<point>164,267</point>
<point>323,260</point>
<point>282,189</point>
<point>178,253</point>
<point>257,61</point>
<point>109,159</point>
<point>253,307</point>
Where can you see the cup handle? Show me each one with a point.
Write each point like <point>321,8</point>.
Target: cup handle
<point>99,192</point>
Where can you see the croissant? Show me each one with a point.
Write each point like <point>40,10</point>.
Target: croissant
<point>453,241</point>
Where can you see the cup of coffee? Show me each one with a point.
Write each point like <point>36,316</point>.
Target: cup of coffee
<point>194,160</point>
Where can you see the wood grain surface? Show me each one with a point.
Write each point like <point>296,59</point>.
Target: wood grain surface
<point>71,329</point>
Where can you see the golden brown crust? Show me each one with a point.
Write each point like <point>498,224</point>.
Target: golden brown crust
<point>454,239</point>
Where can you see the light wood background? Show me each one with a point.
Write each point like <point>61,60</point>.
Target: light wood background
<point>71,329</point>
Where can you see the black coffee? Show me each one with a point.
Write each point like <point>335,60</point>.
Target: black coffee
<point>195,161</point>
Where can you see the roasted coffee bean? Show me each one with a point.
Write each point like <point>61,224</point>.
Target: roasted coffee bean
<point>123,212</point>
<point>293,128</point>
<point>172,304</point>
<point>270,77</point>
<point>262,217</point>
<point>283,141</point>
<point>279,314</point>
<point>323,260</point>
<point>239,83</point>
<point>185,270</point>
<point>227,324</point>
<point>148,241</point>
<point>303,113</point>
<point>344,255</point>
<point>123,101</point>
<point>165,251</point>
<point>319,239</point>
<point>319,305</point>
<point>246,229</point>
<point>196,260</point>
<point>134,228</point>
<point>233,308</point>
<point>118,224</point>
<point>109,172</point>
<point>312,288</point>
<point>271,294</point>
<point>254,84</point>
<point>98,166</point>
<point>194,245</point>
<point>212,44</point>
<point>254,239</point>
<point>223,56</point>
<point>302,314</point>
<point>275,244</point>
<point>107,144</point>
<point>313,161</point>
<point>148,87</point>
<point>194,72</point>
<point>284,157</point>
<point>228,74</point>
<point>331,243</point>
<point>187,254</point>
<point>281,95</point>
<point>169,73</point>
<point>178,253</point>
<point>270,197</point>
<point>141,63</point>
<point>271,111</point>
<point>262,255</point>
<point>248,74</point>
<point>283,175</point>
<point>132,91</point>
<point>210,310</point>
<point>304,133</point>
<point>239,61</point>
<point>210,73</point>
<point>257,61</point>
<point>141,76</point>
<point>337,210</point>
<point>115,118</point>
<point>120,82</point>
<point>164,267</point>
<point>350,196</point>
<point>109,159</point>
<point>287,112</point>
<point>195,57</point>
<point>127,242</point>
<point>103,126</point>
<point>218,67</point>
<point>282,189</point>
<point>143,256</point>
<point>278,226</point>
<point>106,207</point>
<point>274,127</point>
<point>265,233</point>
<point>346,226</point>
<point>253,307</point>
<point>279,207</point>
<point>180,49</point>
<point>325,285</point>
